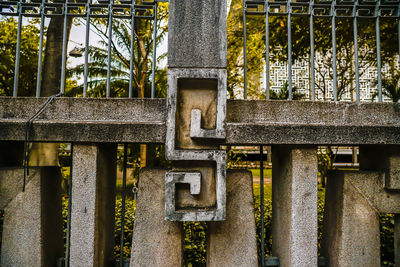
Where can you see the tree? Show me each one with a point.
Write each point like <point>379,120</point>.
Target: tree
<point>278,44</point>
<point>120,58</point>
<point>28,57</point>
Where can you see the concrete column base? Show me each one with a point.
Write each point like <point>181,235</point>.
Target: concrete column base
<point>294,205</point>
<point>156,242</point>
<point>233,241</point>
<point>93,204</point>
<point>351,234</point>
<point>32,229</point>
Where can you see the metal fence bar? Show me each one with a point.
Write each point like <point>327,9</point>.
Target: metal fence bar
<point>153,69</point>
<point>68,241</point>
<point>17,51</point>
<point>110,21</point>
<point>334,69</point>
<point>133,37</point>
<point>312,54</point>
<point>64,50</point>
<point>357,72</point>
<point>378,51</point>
<point>398,33</point>
<point>39,69</point>
<point>289,39</point>
<point>121,243</point>
<point>85,72</point>
<point>244,52</point>
<point>266,9</point>
<point>262,206</point>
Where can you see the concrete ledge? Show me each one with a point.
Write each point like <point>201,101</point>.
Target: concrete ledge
<point>248,121</point>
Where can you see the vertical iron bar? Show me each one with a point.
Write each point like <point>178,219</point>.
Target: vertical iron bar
<point>289,29</point>
<point>355,31</point>
<point>68,241</point>
<point>398,33</point>
<point>262,205</point>
<point>312,72</point>
<point>153,70</point>
<point>85,74</point>
<point>39,69</point>
<point>335,95</point>
<point>132,48</point>
<point>244,52</point>
<point>17,52</point>
<point>378,51</point>
<point>64,50</point>
<point>266,8</point>
<point>110,11</point>
<point>121,251</point>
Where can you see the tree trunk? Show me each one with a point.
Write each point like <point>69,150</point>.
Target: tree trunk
<point>46,154</point>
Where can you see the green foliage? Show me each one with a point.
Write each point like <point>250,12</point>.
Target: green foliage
<point>391,87</point>
<point>387,242</point>
<point>120,58</point>
<point>195,243</point>
<point>130,209</point>
<point>283,93</point>
<point>29,55</point>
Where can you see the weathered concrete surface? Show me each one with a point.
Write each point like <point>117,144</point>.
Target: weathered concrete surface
<point>197,34</point>
<point>156,242</point>
<point>371,184</point>
<point>32,229</point>
<point>93,204</point>
<point>248,121</point>
<point>382,158</point>
<point>351,234</point>
<point>294,205</point>
<point>208,193</point>
<point>233,241</point>
<point>195,94</point>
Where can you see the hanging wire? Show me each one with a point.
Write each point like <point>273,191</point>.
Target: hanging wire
<point>28,127</point>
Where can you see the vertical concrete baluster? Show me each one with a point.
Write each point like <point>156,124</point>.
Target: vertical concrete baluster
<point>156,242</point>
<point>93,204</point>
<point>32,229</point>
<point>233,242</point>
<point>294,205</point>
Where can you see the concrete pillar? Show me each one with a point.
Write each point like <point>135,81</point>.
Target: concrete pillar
<point>32,229</point>
<point>233,242</point>
<point>294,205</point>
<point>351,234</point>
<point>156,242</point>
<point>93,204</point>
